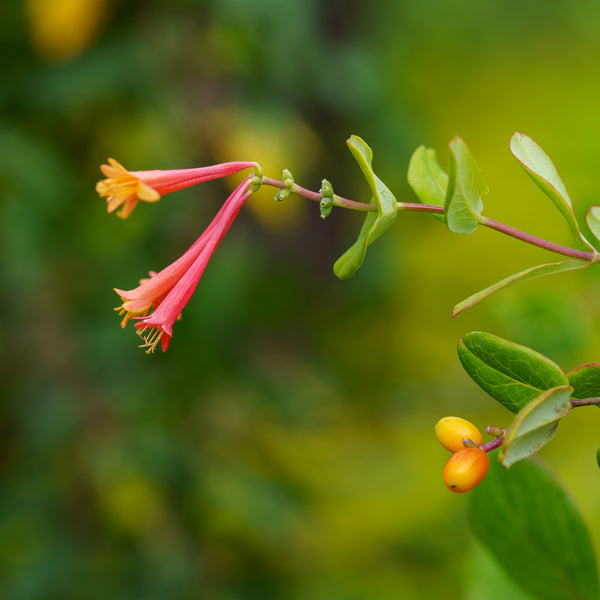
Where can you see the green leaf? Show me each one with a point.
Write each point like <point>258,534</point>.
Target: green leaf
<point>347,264</point>
<point>427,179</point>
<point>526,275</point>
<point>510,373</point>
<point>540,168</point>
<point>487,580</point>
<point>466,185</point>
<point>535,425</point>
<point>592,218</point>
<point>585,380</point>
<point>598,456</point>
<point>375,223</point>
<point>535,532</point>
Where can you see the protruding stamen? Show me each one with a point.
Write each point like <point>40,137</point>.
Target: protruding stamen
<point>151,338</point>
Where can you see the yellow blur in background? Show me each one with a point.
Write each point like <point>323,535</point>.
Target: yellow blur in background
<point>62,29</point>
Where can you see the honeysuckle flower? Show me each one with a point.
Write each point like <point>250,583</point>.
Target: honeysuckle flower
<point>123,188</point>
<point>169,290</point>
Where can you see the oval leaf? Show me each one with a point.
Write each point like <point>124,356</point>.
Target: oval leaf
<point>466,185</point>
<point>535,425</point>
<point>535,532</point>
<point>541,169</point>
<point>512,374</point>
<point>427,179</point>
<point>526,275</point>
<point>375,223</point>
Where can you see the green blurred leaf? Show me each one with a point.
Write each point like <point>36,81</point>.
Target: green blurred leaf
<point>512,374</point>
<point>526,275</point>
<point>598,456</point>
<point>535,425</point>
<point>466,185</point>
<point>427,179</point>
<point>485,578</point>
<point>534,530</point>
<point>592,218</point>
<point>540,168</point>
<point>375,223</point>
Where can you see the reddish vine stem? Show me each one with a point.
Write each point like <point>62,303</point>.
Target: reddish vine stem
<point>416,206</point>
<point>536,241</point>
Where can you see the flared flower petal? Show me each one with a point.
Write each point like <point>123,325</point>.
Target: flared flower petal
<point>152,290</point>
<point>170,290</point>
<point>123,189</point>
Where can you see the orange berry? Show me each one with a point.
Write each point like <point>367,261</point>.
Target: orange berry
<point>450,431</point>
<point>465,469</point>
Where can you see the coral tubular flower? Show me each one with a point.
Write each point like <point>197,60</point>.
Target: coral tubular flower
<point>169,290</point>
<point>124,189</point>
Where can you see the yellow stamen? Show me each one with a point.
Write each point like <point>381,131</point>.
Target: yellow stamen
<point>130,314</point>
<point>151,338</point>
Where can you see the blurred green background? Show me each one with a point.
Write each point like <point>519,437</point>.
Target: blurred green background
<point>283,447</point>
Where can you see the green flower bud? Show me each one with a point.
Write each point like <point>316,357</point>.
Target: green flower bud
<point>326,205</point>
<point>282,195</point>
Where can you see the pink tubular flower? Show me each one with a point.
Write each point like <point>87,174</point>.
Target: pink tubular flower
<point>169,290</point>
<point>123,188</point>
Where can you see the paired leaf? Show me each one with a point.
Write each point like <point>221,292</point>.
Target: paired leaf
<point>375,223</point>
<point>526,275</point>
<point>585,381</point>
<point>428,180</point>
<point>540,168</point>
<point>466,185</point>
<point>535,425</point>
<point>512,374</point>
<point>535,532</point>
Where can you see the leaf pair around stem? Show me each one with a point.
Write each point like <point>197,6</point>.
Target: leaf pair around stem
<point>460,192</point>
<point>529,384</point>
<point>376,222</point>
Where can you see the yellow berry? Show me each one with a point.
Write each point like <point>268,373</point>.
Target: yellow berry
<point>450,431</point>
<point>465,469</point>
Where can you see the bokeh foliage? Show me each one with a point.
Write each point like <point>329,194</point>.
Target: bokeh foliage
<point>283,447</point>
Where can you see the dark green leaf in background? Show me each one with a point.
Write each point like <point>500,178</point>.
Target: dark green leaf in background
<point>487,580</point>
<point>509,372</point>
<point>535,531</point>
